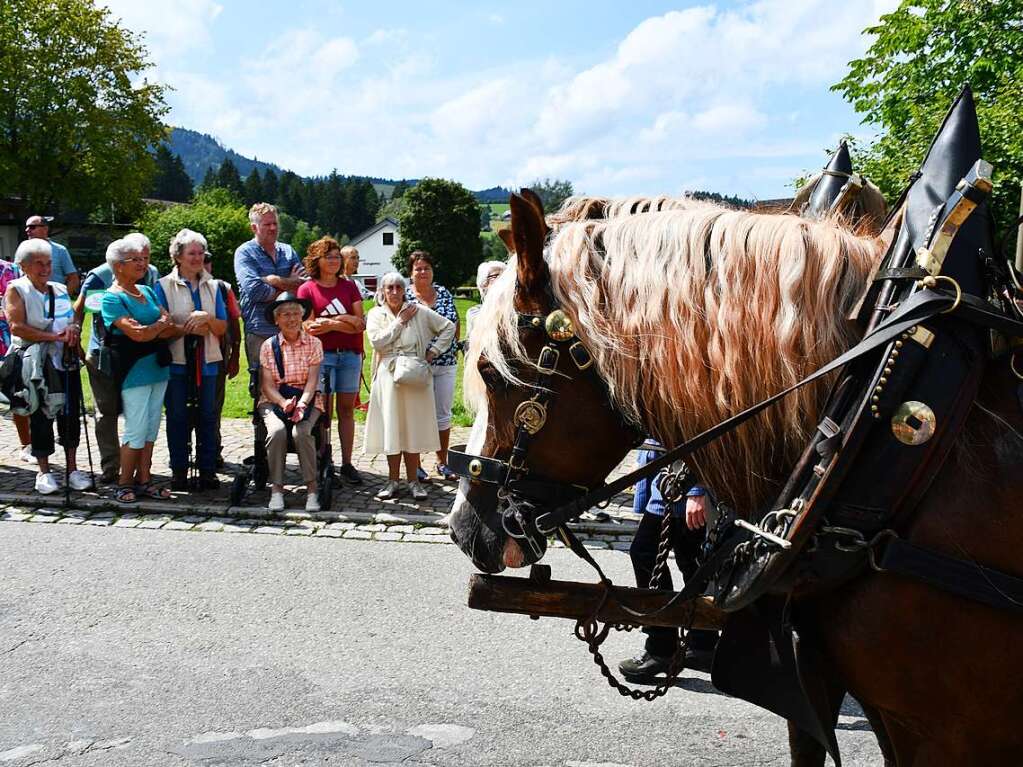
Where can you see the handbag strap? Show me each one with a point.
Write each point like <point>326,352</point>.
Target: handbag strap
<point>275,345</point>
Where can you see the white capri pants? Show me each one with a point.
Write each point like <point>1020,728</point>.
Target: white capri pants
<point>443,393</point>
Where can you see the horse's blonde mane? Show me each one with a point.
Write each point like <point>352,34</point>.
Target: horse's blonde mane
<point>693,314</point>
<point>584,208</point>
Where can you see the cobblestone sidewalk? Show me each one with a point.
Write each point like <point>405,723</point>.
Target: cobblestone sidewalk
<point>354,512</point>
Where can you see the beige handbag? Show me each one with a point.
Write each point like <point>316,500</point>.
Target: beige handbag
<point>410,371</point>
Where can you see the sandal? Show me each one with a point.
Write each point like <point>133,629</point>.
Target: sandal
<point>125,494</point>
<point>152,491</point>
<point>445,473</point>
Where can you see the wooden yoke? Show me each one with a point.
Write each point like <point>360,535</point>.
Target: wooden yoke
<point>538,596</point>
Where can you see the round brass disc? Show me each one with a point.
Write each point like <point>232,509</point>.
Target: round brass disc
<point>913,423</point>
<point>559,326</point>
<point>531,416</point>
<point>475,467</point>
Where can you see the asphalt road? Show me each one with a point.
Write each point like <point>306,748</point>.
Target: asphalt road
<point>137,647</point>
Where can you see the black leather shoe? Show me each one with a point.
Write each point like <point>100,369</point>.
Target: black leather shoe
<point>179,480</point>
<point>208,481</point>
<point>644,666</point>
<point>699,660</point>
<point>350,474</point>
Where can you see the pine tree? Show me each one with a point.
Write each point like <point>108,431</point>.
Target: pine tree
<point>252,189</point>
<point>209,181</point>
<point>170,182</point>
<point>271,187</point>
<point>228,178</point>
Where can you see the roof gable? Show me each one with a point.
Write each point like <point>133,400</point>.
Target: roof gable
<point>363,236</point>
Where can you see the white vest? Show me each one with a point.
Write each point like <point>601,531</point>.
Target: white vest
<point>180,306</point>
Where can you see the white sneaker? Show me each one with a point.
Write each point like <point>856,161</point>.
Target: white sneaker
<point>276,502</point>
<point>418,491</point>
<point>388,491</point>
<point>79,480</point>
<point>312,502</point>
<point>46,483</point>
<point>26,454</point>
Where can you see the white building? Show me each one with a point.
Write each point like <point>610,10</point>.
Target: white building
<point>376,247</point>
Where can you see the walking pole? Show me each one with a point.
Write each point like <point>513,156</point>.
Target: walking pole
<point>88,443</point>
<point>191,409</point>
<point>67,424</point>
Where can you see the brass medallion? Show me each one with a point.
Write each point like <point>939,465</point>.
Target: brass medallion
<point>475,467</point>
<point>531,416</point>
<point>913,423</point>
<point>559,326</point>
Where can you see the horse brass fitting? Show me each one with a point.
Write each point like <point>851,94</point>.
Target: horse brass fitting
<point>559,326</point>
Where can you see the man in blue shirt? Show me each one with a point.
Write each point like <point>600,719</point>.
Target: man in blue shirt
<point>64,269</point>
<point>263,268</point>
<point>687,534</point>
<point>105,391</point>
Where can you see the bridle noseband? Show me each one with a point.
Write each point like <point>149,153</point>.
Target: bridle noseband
<point>524,491</point>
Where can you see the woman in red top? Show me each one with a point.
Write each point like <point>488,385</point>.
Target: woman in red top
<point>338,322</point>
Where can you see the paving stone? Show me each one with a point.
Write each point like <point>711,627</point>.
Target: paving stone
<point>177,524</point>
<point>358,534</point>
<point>152,524</point>
<point>231,527</point>
<point>269,529</point>
<point>376,528</point>
<point>50,518</point>
<point>194,519</point>
<point>387,537</point>
<point>402,528</point>
<point>15,516</point>
<point>592,544</point>
<point>341,525</point>
<point>329,532</point>
<point>100,520</point>
<point>128,522</point>
<point>621,545</point>
<point>210,526</point>
<point>432,531</point>
<point>420,538</point>
<point>69,521</point>
<point>299,530</point>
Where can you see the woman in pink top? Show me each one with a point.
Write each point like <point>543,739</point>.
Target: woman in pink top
<point>338,322</point>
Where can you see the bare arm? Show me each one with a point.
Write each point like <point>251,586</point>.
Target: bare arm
<point>73,282</point>
<point>269,389</point>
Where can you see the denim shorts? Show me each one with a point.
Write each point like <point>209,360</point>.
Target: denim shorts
<point>341,369</point>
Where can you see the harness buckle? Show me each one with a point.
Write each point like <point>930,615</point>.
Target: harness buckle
<point>547,362</point>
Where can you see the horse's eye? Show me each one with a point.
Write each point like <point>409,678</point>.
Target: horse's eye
<point>491,377</point>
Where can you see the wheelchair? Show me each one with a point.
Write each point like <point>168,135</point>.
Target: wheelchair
<point>255,471</point>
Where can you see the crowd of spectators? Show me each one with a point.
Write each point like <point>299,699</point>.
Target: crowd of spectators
<point>167,345</point>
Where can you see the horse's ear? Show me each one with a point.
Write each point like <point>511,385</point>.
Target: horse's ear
<point>533,198</point>
<point>506,237</point>
<point>528,233</point>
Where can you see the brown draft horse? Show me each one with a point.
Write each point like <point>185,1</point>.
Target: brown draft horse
<point>937,674</point>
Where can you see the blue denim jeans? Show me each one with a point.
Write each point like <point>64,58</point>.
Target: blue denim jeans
<point>178,423</point>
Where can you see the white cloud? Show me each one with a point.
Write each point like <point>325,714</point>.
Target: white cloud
<point>170,30</point>
<point>681,95</point>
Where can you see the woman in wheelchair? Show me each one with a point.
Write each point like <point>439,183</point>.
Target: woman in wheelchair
<point>289,401</point>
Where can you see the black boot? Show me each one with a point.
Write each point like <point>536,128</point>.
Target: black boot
<point>644,666</point>
<point>208,481</point>
<point>179,480</point>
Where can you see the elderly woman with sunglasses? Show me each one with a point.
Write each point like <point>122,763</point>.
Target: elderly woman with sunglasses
<point>137,329</point>
<point>191,297</point>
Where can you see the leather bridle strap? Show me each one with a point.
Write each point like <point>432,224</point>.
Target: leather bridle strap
<point>921,306</point>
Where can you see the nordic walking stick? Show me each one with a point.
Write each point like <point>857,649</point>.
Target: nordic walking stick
<point>66,414</point>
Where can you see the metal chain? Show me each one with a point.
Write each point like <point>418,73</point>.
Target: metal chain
<point>594,636</point>
<point>663,549</point>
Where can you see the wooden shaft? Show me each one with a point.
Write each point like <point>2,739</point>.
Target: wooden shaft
<point>568,599</point>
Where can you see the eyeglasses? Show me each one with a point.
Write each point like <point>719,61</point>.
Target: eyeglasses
<point>134,260</point>
<point>34,226</point>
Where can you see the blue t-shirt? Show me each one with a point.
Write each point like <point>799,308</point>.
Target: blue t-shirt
<point>62,263</point>
<point>220,312</point>
<point>117,304</point>
<point>101,278</point>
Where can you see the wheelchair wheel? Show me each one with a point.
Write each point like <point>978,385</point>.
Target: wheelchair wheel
<point>238,487</point>
<point>326,479</point>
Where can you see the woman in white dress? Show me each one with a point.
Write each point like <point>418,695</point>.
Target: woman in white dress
<point>402,421</point>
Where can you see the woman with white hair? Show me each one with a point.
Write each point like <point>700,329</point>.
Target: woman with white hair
<point>196,307</point>
<point>137,329</point>
<point>486,274</point>
<point>402,419</point>
<point>40,313</point>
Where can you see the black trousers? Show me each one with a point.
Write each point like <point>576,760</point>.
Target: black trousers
<point>660,641</point>
<point>69,426</point>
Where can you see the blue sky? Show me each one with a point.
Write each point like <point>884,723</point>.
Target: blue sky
<point>619,98</point>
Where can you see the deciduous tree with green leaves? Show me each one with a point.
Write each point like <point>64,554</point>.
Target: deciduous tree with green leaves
<point>553,192</point>
<point>216,214</point>
<point>77,119</point>
<point>443,218</point>
<point>923,53</point>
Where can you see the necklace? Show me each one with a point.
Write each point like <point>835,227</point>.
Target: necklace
<point>134,294</point>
